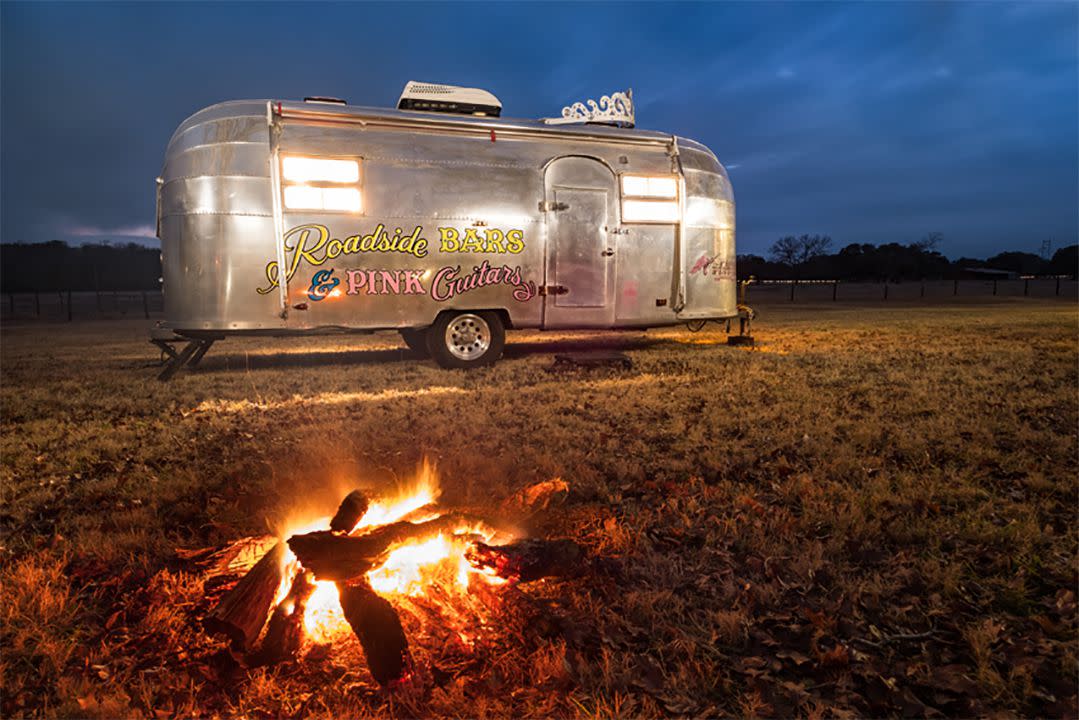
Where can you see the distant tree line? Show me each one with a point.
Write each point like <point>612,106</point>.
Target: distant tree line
<point>808,256</point>
<point>55,266</point>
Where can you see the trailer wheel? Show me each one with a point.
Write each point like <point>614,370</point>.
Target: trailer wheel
<point>416,340</point>
<point>467,339</point>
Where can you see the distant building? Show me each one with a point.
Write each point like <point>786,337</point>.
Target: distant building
<point>990,274</point>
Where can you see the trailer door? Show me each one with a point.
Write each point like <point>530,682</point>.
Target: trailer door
<point>580,197</point>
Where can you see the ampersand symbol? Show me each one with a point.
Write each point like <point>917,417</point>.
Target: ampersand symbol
<point>322,284</point>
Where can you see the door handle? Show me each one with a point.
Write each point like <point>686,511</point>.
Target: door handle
<point>551,205</point>
<point>607,253</point>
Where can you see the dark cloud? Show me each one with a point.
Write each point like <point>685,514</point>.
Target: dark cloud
<point>873,122</point>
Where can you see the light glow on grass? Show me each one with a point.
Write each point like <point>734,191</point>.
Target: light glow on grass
<point>240,406</point>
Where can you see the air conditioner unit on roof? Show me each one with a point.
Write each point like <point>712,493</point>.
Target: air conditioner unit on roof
<point>431,97</point>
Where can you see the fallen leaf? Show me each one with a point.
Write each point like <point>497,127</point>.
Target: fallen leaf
<point>794,655</point>
<point>952,678</point>
<point>836,657</point>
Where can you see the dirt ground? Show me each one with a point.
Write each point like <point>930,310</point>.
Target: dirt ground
<point>872,513</point>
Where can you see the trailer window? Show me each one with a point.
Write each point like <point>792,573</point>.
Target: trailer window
<point>321,183</point>
<point>650,198</point>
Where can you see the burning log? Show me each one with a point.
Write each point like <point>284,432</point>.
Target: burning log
<point>528,560</point>
<point>350,511</point>
<point>242,612</point>
<point>284,632</point>
<point>332,556</point>
<point>378,627</point>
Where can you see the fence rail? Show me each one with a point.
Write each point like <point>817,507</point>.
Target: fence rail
<point>926,291</point>
<point>68,305</point>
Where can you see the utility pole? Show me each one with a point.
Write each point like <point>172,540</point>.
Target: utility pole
<point>1047,249</point>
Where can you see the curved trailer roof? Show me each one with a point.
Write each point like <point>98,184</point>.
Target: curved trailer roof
<point>438,122</point>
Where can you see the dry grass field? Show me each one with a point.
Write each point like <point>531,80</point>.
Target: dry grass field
<point>873,513</point>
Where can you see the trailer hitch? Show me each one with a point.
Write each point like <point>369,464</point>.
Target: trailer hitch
<point>190,355</point>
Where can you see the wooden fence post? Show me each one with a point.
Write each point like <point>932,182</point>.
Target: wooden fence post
<point>37,303</point>
<point>955,287</point>
<point>69,306</point>
<point>97,295</point>
<point>835,290</point>
<point>1058,287</point>
<point>1026,288</point>
<point>921,293</point>
<point>792,289</point>
<point>11,303</point>
<point>994,287</point>
<point>885,289</point>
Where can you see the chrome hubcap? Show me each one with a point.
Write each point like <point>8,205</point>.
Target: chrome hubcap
<point>468,337</point>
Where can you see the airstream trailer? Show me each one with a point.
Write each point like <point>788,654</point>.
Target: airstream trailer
<point>440,220</point>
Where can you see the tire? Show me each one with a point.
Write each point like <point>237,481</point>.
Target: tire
<point>466,339</point>
<point>416,341</point>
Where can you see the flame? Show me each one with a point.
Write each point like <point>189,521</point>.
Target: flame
<point>323,619</point>
<point>424,492</point>
<point>411,568</point>
<point>303,528</point>
<point>409,571</point>
<point>403,571</point>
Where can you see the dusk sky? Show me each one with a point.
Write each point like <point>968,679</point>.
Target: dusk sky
<point>870,122</point>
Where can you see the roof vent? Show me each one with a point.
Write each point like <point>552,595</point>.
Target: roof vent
<point>430,97</point>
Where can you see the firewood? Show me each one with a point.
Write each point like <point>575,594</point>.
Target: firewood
<point>350,511</point>
<point>527,560</point>
<point>331,556</point>
<point>242,612</point>
<point>378,627</point>
<point>233,559</point>
<point>284,632</point>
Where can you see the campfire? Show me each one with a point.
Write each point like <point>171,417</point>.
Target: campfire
<point>357,571</point>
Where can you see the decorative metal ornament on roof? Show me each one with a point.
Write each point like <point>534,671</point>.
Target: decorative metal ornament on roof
<point>615,109</point>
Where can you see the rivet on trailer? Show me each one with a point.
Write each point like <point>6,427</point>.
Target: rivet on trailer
<point>440,220</point>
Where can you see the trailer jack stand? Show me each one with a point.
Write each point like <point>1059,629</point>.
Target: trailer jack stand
<point>745,317</point>
<point>745,322</point>
<point>190,356</point>
<point>743,337</point>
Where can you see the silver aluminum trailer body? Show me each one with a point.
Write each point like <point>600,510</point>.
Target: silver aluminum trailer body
<point>520,219</point>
